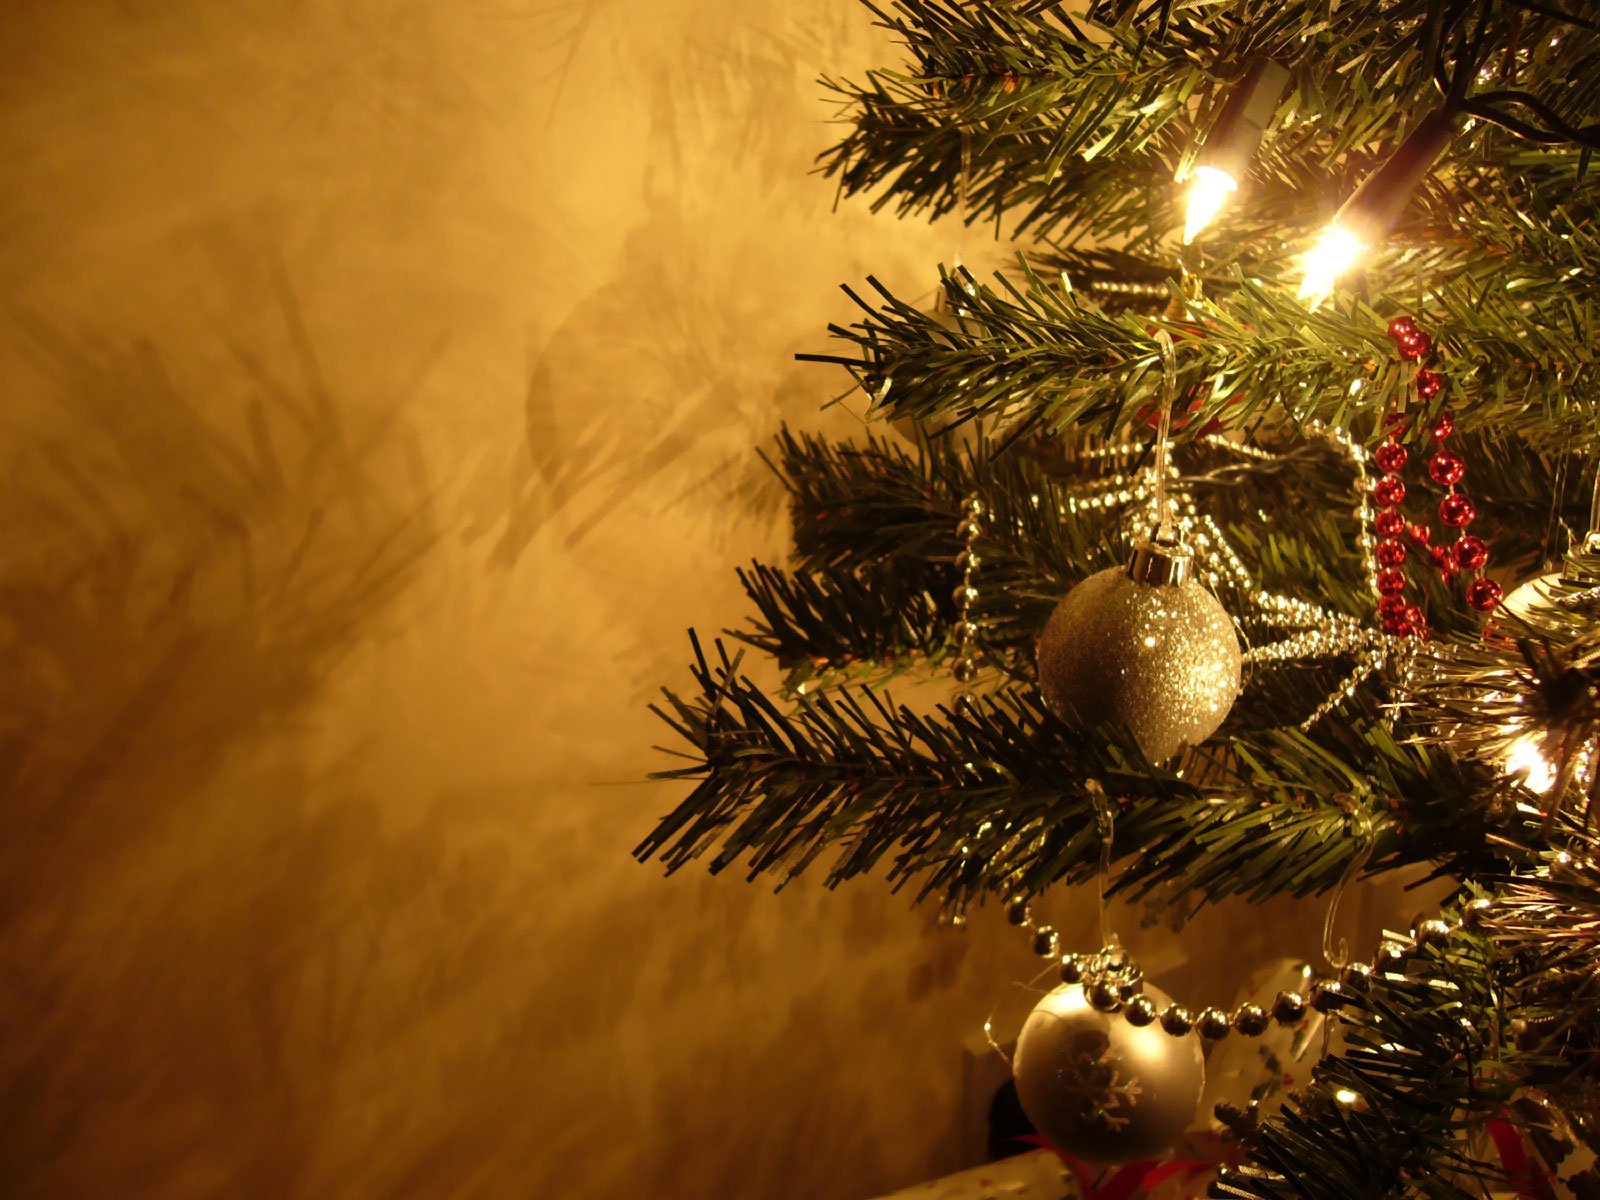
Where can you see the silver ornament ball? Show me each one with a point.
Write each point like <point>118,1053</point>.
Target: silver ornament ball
<point>1159,657</point>
<point>1534,597</point>
<point>1101,1088</point>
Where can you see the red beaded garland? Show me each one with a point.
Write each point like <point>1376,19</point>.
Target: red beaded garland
<point>1415,621</point>
<point>1429,383</point>
<point>1390,491</point>
<point>1447,469</point>
<point>1391,457</point>
<point>1416,347</point>
<point>1391,552</point>
<point>1457,510</point>
<point>1470,553</point>
<point>1402,618</point>
<point>1484,594</point>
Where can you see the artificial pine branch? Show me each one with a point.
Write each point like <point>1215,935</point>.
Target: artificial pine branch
<point>1073,129</point>
<point>1050,360</point>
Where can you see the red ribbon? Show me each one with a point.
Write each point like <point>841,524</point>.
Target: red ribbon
<point>1527,1177</point>
<point>1121,1183</point>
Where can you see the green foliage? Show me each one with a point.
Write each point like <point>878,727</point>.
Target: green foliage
<point>1071,129</point>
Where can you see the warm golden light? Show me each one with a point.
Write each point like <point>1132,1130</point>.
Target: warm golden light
<point>1336,253</point>
<point>1526,763</point>
<point>1209,189</point>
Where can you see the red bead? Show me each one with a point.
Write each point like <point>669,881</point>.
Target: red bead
<point>1429,383</point>
<point>1442,559</point>
<point>1395,424</point>
<point>1484,594</point>
<point>1457,510</point>
<point>1391,582</point>
<point>1391,457</point>
<point>1402,327</point>
<point>1447,469</point>
<point>1470,552</point>
<point>1389,491</point>
<point>1443,426</point>
<point>1419,533</point>
<point>1416,622</point>
<point>1389,523</point>
<point>1391,552</point>
<point>1416,346</point>
<point>1392,608</point>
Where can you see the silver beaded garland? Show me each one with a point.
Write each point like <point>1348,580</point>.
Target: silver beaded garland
<point>1103,995</point>
<point>1432,932</point>
<point>1176,1020</point>
<point>1213,1024</point>
<point>1288,1008</point>
<point>1112,982</point>
<point>964,668</point>
<point>1251,1020</point>
<point>1139,1010</point>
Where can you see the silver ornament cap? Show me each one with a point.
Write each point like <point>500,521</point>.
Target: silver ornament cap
<point>1102,1089</point>
<point>1147,647</point>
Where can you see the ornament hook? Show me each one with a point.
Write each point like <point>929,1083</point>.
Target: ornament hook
<point>1337,958</point>
<point>1166,531</point>
<point>1106,826</point>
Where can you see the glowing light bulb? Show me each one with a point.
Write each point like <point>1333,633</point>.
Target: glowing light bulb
<point>1209,189</point>
<point>1346,1096</point>
<point>1336,253</point>
<point>1527,761</point>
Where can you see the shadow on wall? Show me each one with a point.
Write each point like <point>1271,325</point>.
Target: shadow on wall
<point>634,392</point>
<point>179,576</point>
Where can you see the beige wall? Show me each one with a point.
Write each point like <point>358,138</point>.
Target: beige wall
<point>382,381</point>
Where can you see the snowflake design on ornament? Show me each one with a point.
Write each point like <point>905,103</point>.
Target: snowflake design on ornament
<point>1094,1077</point>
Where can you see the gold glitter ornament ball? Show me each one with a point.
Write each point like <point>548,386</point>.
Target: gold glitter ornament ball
<point>1146,647</point>
<point>1102,1089</point>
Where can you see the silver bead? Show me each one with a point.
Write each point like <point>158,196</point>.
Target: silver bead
<point>969,560</point>
<point>964,594</point>
<point>1326,995</point>
<point>1289,1008</point>
<point>1354,978</point>
<point>1017,912</point>
<point>1103,996</point>
<point>965,670</point>
<point>1391,956</point>
<point>1432,932</point>
<point>969,530</point>
<point>1251,1020</point>
<point>1139,1010</point>
<point>1213,1024</point>
<point>965,631</point>
<point>1474,914</point>
<point>1177,1020</point>
<point>972,507</point>
<point>1046,942</point>
<point>1071,969</point>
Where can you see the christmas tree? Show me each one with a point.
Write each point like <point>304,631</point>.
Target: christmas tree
<point>1250,512</point>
